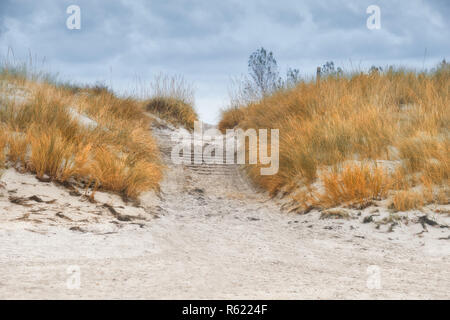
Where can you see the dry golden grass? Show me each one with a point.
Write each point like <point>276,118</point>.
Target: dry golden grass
<point>230,118</point>
<point>172,99</point>
<point>50,154</point>
<point>173,110</point>
<point>56,156</point>
<point>399,116</point>
<point>354,183</point>
<point>3,142</point>
<point>48,135</point>
<point>407,200</point>
<point>122,174</point>
<point>17,147</point>
<point>443,196</point>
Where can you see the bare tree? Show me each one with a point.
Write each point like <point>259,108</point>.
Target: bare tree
<point>292,77</point>
<point>264,74</point>
<point>328,69</point>
<point>263,79</point>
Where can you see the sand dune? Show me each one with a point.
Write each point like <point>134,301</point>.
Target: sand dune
<point>208,234</point>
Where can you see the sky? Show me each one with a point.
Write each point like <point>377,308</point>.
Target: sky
<point>124,44</point>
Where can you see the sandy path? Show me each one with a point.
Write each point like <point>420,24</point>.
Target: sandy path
<point>216,238</point>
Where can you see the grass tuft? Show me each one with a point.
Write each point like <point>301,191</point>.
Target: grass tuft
<point>172,99</point>
<point>173,110</point>
<point>354,183</point>
<point>405,200</point>
<point>230,118</point>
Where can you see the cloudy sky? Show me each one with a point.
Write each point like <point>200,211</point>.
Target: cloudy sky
<point>125,43</point>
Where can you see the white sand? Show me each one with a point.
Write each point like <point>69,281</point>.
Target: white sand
<point>209,236</point>
<point>83,119</point>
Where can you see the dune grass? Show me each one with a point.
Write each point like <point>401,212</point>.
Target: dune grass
<point>406,200</point>
<point>354,183</point>
<point>176,111</point>
<point>230,118</point>
<point>399,116</point>
<point>3,142</point>
<point>44,131</point>
<point>172,99</point>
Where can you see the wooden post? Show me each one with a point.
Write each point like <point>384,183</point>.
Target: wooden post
<point>318,75</point>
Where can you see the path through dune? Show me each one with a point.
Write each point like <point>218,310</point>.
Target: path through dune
<point>211,236</point>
